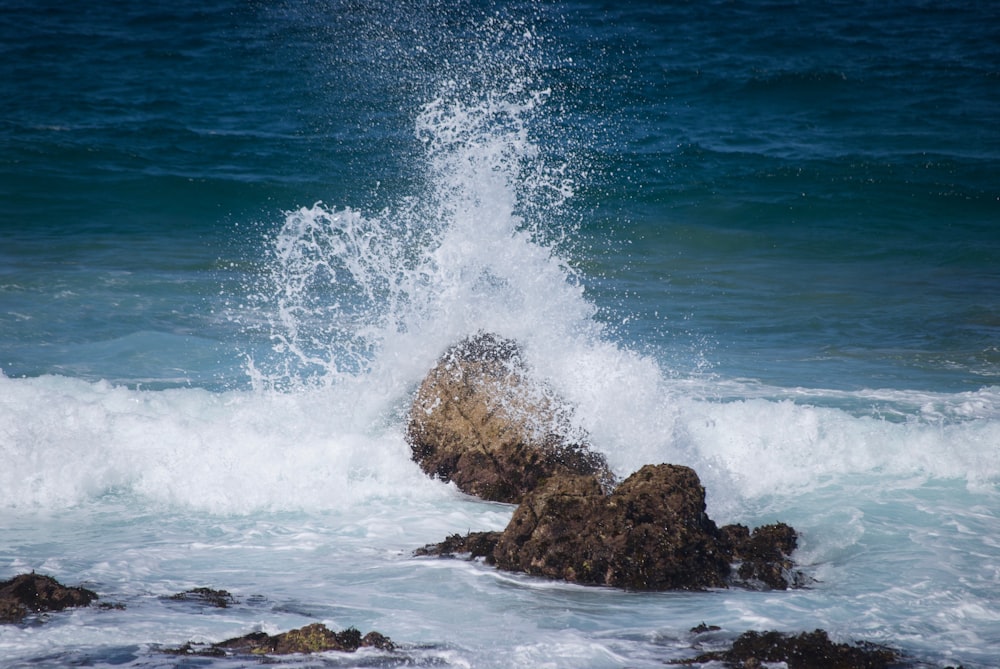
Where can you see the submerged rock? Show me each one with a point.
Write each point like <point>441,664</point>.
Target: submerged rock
<point>762,557</point>
<point>315,638</point>
<point>35,593</point>
<point>809,650</point>
<point>220,599</point>
<point>480,421</point>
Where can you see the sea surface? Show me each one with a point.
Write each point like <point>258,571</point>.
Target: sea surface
<point>761,239</point>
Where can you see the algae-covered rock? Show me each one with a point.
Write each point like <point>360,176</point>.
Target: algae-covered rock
<point>315,638</point>
<point>474,545</point>
<point>219,599</point>
<point>36,593</point>
<point>651,533</point>
<point>808,650</point>
<point>763,557</point>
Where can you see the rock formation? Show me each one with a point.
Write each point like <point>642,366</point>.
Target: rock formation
<point>315,638</point>
<point>35,593</point>
<point>480,421</point>
<point>809,650</point>
<point>651,533</point>
<point>219,599</point>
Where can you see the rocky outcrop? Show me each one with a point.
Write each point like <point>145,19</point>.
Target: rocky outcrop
<point>480,421</point>
<point>315,638</point>
<point>34,593</point>
<point>650,533</point>
<point>809,650</point>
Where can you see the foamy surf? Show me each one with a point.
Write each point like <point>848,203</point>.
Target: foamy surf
<point>295,490</point>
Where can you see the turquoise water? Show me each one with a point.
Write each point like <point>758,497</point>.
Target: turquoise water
<point>759,239</point>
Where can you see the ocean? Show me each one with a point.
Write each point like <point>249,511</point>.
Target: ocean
<point>760,239</point>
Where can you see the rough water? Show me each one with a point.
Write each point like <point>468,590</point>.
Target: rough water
<point>757,239</point>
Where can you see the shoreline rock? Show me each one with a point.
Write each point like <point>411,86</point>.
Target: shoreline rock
<point>35,593</point>
<point>808,650</point>
<point>480,421</point>
<point>650,533</point>
<point>220,599</point>
<point>315,638</point>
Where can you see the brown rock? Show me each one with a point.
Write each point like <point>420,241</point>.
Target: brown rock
<point>763,557</point>
<point>315,638</point>
<point>35,593</point>
<point>809,650</point>
<point>651,533</point>
<point>480,421</point>
<point>220,599</point>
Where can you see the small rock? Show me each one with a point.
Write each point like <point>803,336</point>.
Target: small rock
<point>763,557</point>
<point>218,598</point>
<point>651,533</point>
<point>474,545</point>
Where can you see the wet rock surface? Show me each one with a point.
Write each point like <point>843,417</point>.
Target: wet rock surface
<point>808,650</point>
<point>762,557</point>
<point>35,593</point>
<point>315,638</point>
<point>471,546</point>
<point>219,599</point>
<point>480,421</point>
<point>650,533</point>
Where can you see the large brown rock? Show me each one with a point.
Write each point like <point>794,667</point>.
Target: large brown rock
<point>808,650</point>
<point>37,593</point>
<point>651,533</point>
<point>479,420</point>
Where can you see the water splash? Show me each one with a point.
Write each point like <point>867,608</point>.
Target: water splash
<point>478,247</point>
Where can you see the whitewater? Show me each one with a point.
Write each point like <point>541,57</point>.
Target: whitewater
<point>297,494</point>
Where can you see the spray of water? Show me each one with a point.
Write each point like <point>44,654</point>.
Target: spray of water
<point>475,249</point>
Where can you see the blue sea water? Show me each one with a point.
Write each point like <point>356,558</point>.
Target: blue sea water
<point>759,239</point>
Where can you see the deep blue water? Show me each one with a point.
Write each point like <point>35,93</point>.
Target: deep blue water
<point>759,238</point>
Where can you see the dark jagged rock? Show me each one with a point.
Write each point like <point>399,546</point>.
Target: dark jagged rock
<point>809,650</point>
<point>650,533</point>
<point>763,556</point>
<point>35,593</point>
<point>702,628</point>
<point>474,545</point>
<point>220,599</point>
<point>480,421</point>
<point>315,638</point>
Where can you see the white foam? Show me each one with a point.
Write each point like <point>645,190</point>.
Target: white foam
<point>66,441</point>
